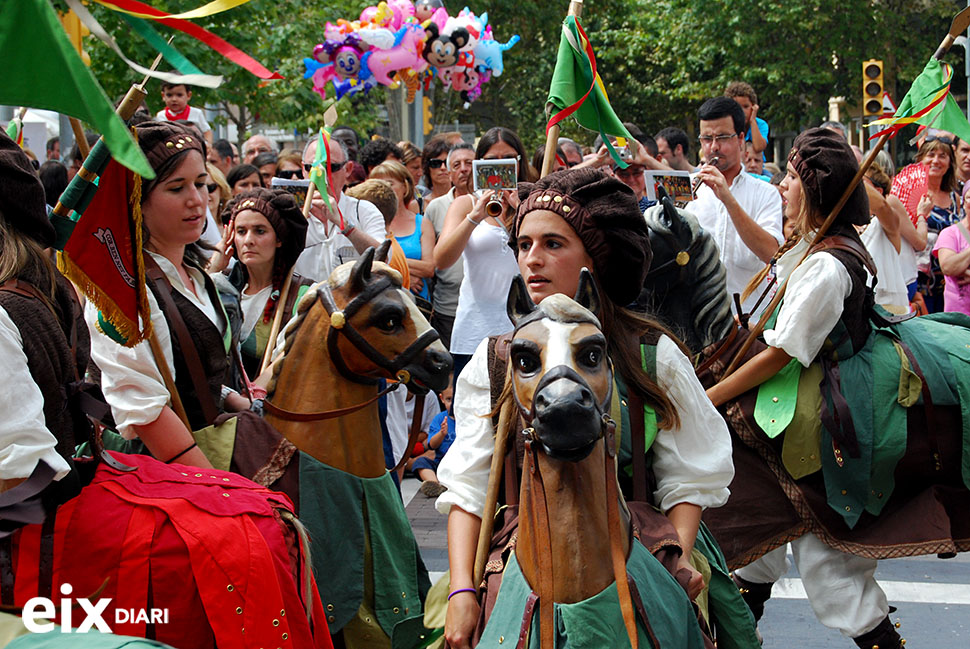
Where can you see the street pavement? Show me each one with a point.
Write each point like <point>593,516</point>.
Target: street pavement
<point>932,595</point>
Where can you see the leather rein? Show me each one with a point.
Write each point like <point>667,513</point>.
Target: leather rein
<point>340,325</point>
<point>540,519</point>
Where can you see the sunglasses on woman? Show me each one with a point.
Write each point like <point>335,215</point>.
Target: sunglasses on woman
<point>437,163</point>
<point>289,174</point>
<point>945,139</point>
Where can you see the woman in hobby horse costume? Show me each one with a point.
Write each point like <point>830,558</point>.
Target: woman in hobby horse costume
<point>824,315</point>
<point>567,221</point>
<point>216,551</point>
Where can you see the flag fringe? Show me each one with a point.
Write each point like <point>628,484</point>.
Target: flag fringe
<point>128,332</point>
<point>110,311</point>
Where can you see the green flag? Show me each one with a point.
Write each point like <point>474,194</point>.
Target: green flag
<point>42,70</point>
<point>320,171</point>
<point>577,90</point>
<point>929,102</point>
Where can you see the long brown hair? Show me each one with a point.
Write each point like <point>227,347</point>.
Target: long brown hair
<point>624,329</point>
<point>21,257</point>
<point>755,282</point>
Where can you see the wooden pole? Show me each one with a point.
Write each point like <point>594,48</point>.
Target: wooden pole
<point>167,379</point>
<point>82,142</point>
<point>552,135</point>
<point>506,420</point>
<point>329,119</point>
<point>960,23</point>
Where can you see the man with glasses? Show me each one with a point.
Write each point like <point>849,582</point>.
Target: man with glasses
<point>448,280</point>
<point>328,243</point>
<point>743,214</point>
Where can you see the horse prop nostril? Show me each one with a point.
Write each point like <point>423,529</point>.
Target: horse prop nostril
<point>439,361</point>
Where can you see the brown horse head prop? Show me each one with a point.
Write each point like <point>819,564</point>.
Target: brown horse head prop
<point>350,331</point>
<point>376,330</point>
<point>562,383</point>
<point>562,379</point>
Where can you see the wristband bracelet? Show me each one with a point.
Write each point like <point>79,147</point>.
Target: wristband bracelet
<point>472,221</point>
<point>226,391</point>
<point>178,455</point>
<point>461,590</point>
<point>348,231</point>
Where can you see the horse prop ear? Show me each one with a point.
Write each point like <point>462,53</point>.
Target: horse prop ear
<point>360,273</point>
<point>382,251</point>
<point>587,295</point>
<point>520,303</point>
<point>672,216</point>
<point>669,211</point>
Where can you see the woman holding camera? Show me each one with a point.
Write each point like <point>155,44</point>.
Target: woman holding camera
<point>476,228</point>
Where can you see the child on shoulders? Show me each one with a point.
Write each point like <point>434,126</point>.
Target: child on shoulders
<point>176,97</point>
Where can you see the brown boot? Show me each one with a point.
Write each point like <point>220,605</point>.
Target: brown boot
<point>754,595</point>
<point>883,636</point>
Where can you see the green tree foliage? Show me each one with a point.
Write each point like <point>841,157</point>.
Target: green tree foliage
<point>659,59</point>
<point>277,34</point>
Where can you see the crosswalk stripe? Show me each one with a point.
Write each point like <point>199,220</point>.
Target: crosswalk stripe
<point>896,591</point>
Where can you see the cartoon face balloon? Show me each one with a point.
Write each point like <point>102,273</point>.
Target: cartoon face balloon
<point>346,62</point>
<point>423,9</point>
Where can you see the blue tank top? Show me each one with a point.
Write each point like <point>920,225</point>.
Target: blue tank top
<point>411,245</point>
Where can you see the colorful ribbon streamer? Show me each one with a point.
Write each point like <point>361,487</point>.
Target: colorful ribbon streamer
<point>896,123</point>
<point>229,51</point>
<point>172,55</point>
<point>321,174</point>
<point>201,80</point>
<point>210,9</point>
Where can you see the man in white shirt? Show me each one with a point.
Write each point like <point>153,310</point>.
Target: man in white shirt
<point>327,245</point>
<point>743,214</point>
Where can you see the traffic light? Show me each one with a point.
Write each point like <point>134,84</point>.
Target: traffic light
<point>426,112</point>
<point>872,88</point>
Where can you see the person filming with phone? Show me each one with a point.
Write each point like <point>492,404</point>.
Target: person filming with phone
<point>474,227</point>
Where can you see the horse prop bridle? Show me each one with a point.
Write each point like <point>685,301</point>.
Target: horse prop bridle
<point>340,325</point>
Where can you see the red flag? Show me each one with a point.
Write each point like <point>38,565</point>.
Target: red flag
<point>103,257</point>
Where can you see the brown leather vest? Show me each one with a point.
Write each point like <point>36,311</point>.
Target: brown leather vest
<point>209,345</point>
<point>46,330</point>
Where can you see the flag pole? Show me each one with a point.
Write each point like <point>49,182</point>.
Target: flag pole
<point>78,195</point>
<point>552,135</point>
<point>329,119</point>
<point>959,24</point>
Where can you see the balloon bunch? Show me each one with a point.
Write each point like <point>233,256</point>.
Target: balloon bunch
<point>411,43</point>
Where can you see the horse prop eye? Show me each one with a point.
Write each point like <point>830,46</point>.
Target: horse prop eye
<point>390,324</point>
<point>526,363</point>
<point>591,357</point>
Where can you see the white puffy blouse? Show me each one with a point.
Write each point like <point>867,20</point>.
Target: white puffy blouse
<point>130,379</point>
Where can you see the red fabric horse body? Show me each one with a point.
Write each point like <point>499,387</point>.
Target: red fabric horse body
<point>208,546</point>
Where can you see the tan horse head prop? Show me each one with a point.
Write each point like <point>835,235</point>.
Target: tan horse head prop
<point>562,382</point>
<point>350,331</point>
